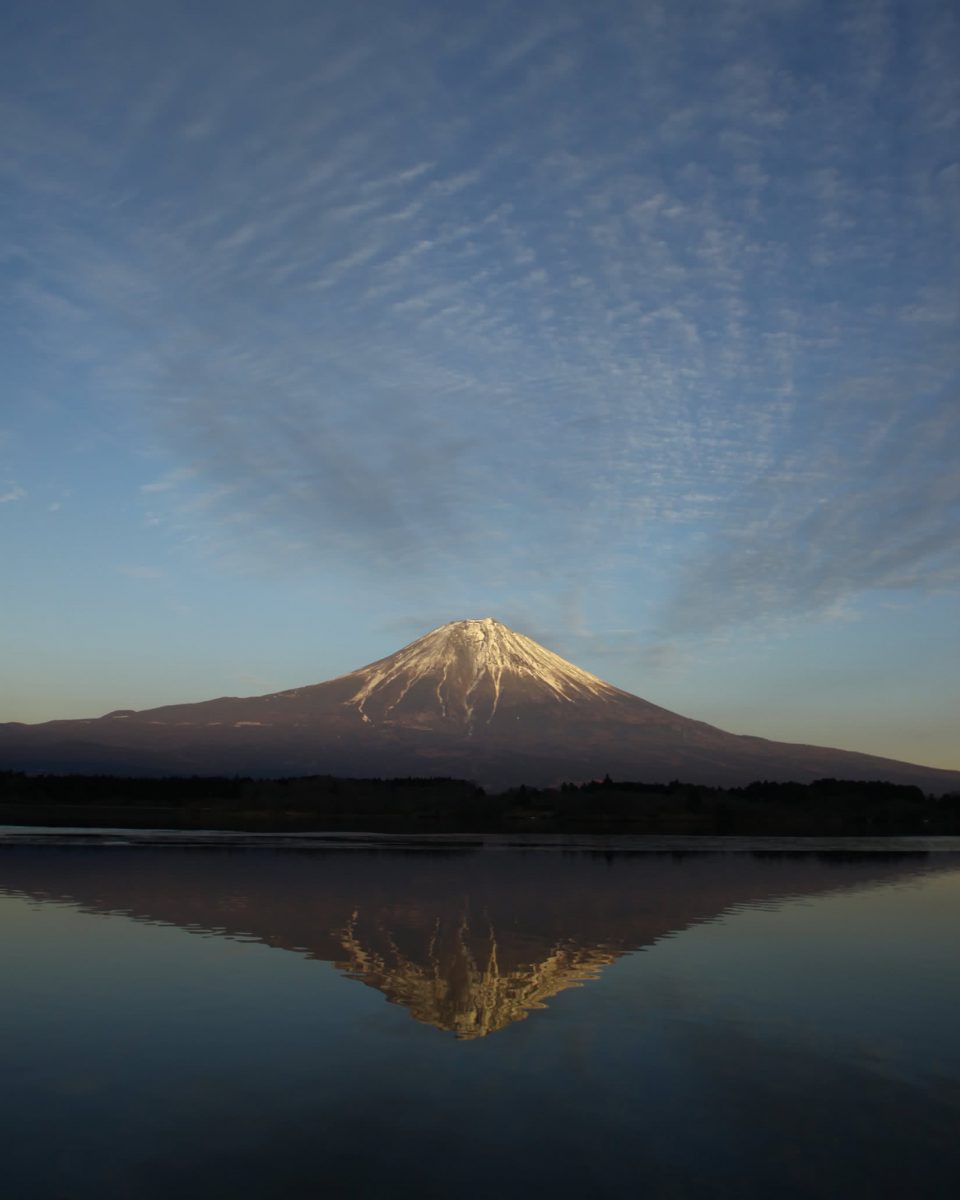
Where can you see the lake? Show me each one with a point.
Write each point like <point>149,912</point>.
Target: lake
<point>192,1015</point>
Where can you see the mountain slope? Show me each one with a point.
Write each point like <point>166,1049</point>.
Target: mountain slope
<point>472,699</point>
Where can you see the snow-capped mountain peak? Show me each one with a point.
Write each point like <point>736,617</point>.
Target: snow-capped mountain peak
<point>469,671</point>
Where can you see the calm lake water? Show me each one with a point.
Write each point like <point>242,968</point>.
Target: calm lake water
<point>320,1018</point>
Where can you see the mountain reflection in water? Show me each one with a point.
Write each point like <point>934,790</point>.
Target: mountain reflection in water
<point>467,941</point>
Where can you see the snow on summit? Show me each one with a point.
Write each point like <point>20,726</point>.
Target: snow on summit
<point>467,669</point>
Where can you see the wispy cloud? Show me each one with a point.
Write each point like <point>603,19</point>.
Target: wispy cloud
<point>469,303</point>
<point>839,520</point>
<point>10,492</point>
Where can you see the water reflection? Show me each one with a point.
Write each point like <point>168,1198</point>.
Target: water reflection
<point>468,942</point>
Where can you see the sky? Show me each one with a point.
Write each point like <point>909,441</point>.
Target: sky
<point>633,324</point>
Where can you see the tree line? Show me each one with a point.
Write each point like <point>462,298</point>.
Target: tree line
<point>824,807</point>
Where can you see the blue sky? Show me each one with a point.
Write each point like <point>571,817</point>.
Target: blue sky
<point>634,325</point>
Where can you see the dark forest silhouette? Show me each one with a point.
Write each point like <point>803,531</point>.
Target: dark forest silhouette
<point>827,806</point>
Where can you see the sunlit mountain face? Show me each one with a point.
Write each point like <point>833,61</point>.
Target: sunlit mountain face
<point>466,941</point>
<point>472,699</point>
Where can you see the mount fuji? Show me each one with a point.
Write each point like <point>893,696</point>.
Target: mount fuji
<point>472,699</point>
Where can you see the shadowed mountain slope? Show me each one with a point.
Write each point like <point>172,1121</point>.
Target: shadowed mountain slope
<point>472,699</point>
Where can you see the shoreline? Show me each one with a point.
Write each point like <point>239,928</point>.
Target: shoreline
<point>118,836</point>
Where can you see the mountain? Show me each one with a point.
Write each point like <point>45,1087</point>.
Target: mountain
<point>472,699</point>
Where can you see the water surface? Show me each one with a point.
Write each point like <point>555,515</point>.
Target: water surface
<point>477,1017</point>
